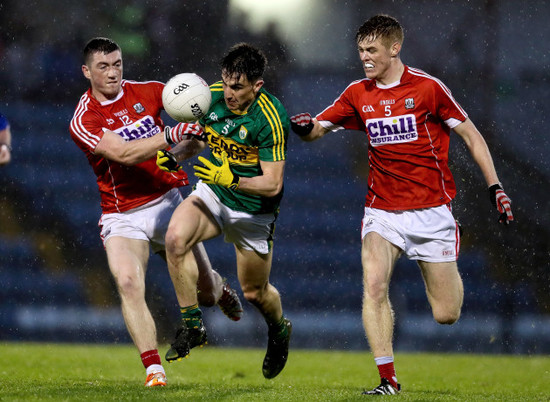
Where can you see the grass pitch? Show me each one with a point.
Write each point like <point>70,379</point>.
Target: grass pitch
<point>68,372</point>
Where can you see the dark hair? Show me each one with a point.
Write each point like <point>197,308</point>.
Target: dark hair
<point>99,45</point>
<point>383,26</point>
<point>243,58</point>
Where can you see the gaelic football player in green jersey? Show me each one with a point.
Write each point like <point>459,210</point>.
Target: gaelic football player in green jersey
<point>246,130</point>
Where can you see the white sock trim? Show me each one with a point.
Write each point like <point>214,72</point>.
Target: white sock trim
<point>383,360</point>
<point>153,368</point>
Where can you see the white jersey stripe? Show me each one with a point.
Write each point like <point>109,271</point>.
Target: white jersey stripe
<point>423,74</point>
<point>337,99</point>
<point>77,126</point>
<point>436,157</point>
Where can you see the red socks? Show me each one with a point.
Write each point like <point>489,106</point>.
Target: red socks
<point>386,369</point>
<point>150,357</point>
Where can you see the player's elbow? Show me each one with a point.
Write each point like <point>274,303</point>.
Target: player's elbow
<point>130,156</point>
<point>128,160</point>
<point>275,189</point>
<point>119,152</point>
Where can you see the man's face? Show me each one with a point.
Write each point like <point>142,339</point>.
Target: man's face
<point>375,58</point>
<point>239,93</point>
<point>105,74</point>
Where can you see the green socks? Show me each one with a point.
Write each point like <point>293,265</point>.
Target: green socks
<point>191,316</point>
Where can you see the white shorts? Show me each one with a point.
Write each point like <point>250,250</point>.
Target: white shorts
<point>247,231</point>
<point>429,234</point>
<point>148,222</point>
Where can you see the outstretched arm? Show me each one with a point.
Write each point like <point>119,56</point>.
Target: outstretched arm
<point>186,149</point>
<point>306,127</point>
<point>480,152</point>
<point>115,148</point>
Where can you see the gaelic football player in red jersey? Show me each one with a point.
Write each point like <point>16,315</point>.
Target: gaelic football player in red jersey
<point>408,116</point>
<point>117,124</point>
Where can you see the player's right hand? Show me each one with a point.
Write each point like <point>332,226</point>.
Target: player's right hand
<point>181,131</point>
<point>301,124</point>
<point>502,203</point>
<point>167,161</point>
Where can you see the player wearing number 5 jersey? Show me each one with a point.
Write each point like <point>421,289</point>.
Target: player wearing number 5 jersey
<point>117,124</point>
<point>408,116</point>
<point>238,196</point>
<point>408,124</point>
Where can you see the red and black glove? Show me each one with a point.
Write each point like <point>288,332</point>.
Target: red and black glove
<point>502,203</point>
<point>182,131</point>
<point>301,124</point>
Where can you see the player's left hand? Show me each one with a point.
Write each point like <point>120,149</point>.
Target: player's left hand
<point>167,161</point>
<point>220,175</point>
<point>502,203</point>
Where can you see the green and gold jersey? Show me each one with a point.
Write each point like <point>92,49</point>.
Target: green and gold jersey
<point>260,134</point>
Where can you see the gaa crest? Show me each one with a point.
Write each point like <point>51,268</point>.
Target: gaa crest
<point>409,103</point>
<point>138,107</point>
<point>243,132</point>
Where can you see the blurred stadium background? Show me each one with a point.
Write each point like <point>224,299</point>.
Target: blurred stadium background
<point>54,280</point>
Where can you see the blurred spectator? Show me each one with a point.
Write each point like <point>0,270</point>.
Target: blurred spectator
<point>5,141</point>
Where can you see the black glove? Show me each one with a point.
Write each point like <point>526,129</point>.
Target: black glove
<point>301,124</point>
<point>502,203</point>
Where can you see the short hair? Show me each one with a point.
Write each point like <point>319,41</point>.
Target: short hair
<point>99,45</point>
<point>244,59</point>
<point>382,26</point>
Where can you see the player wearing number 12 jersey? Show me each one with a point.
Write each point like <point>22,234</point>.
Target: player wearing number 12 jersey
<point>408,117</point>
<point>117,124</point>
<point>133,114</point>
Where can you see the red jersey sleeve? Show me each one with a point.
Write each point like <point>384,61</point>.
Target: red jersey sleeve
<point>343,113</point>
<point>87,125</point>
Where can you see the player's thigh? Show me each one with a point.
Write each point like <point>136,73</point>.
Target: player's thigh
<point>443,281</point>
<point>378,257</point>
<point>127,259</point>
<point>192,222</point>
<point>253,269</point>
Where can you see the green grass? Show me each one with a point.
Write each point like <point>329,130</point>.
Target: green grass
<point>100,373</point>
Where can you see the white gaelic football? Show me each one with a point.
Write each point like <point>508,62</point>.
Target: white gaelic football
<point>186,97</point>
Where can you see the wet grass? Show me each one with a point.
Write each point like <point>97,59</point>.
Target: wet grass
<point>70,372</point>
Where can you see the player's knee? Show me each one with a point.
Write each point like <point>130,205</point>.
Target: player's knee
<point>206,299</point>
<point>446,317</point>
<point>176,242</point>
<point>375,291</point>
<point>255,295</point>
<point>130,287</point>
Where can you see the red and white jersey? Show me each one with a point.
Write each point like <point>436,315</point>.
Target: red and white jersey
<point>408,125</point>
<point>134,114</point>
